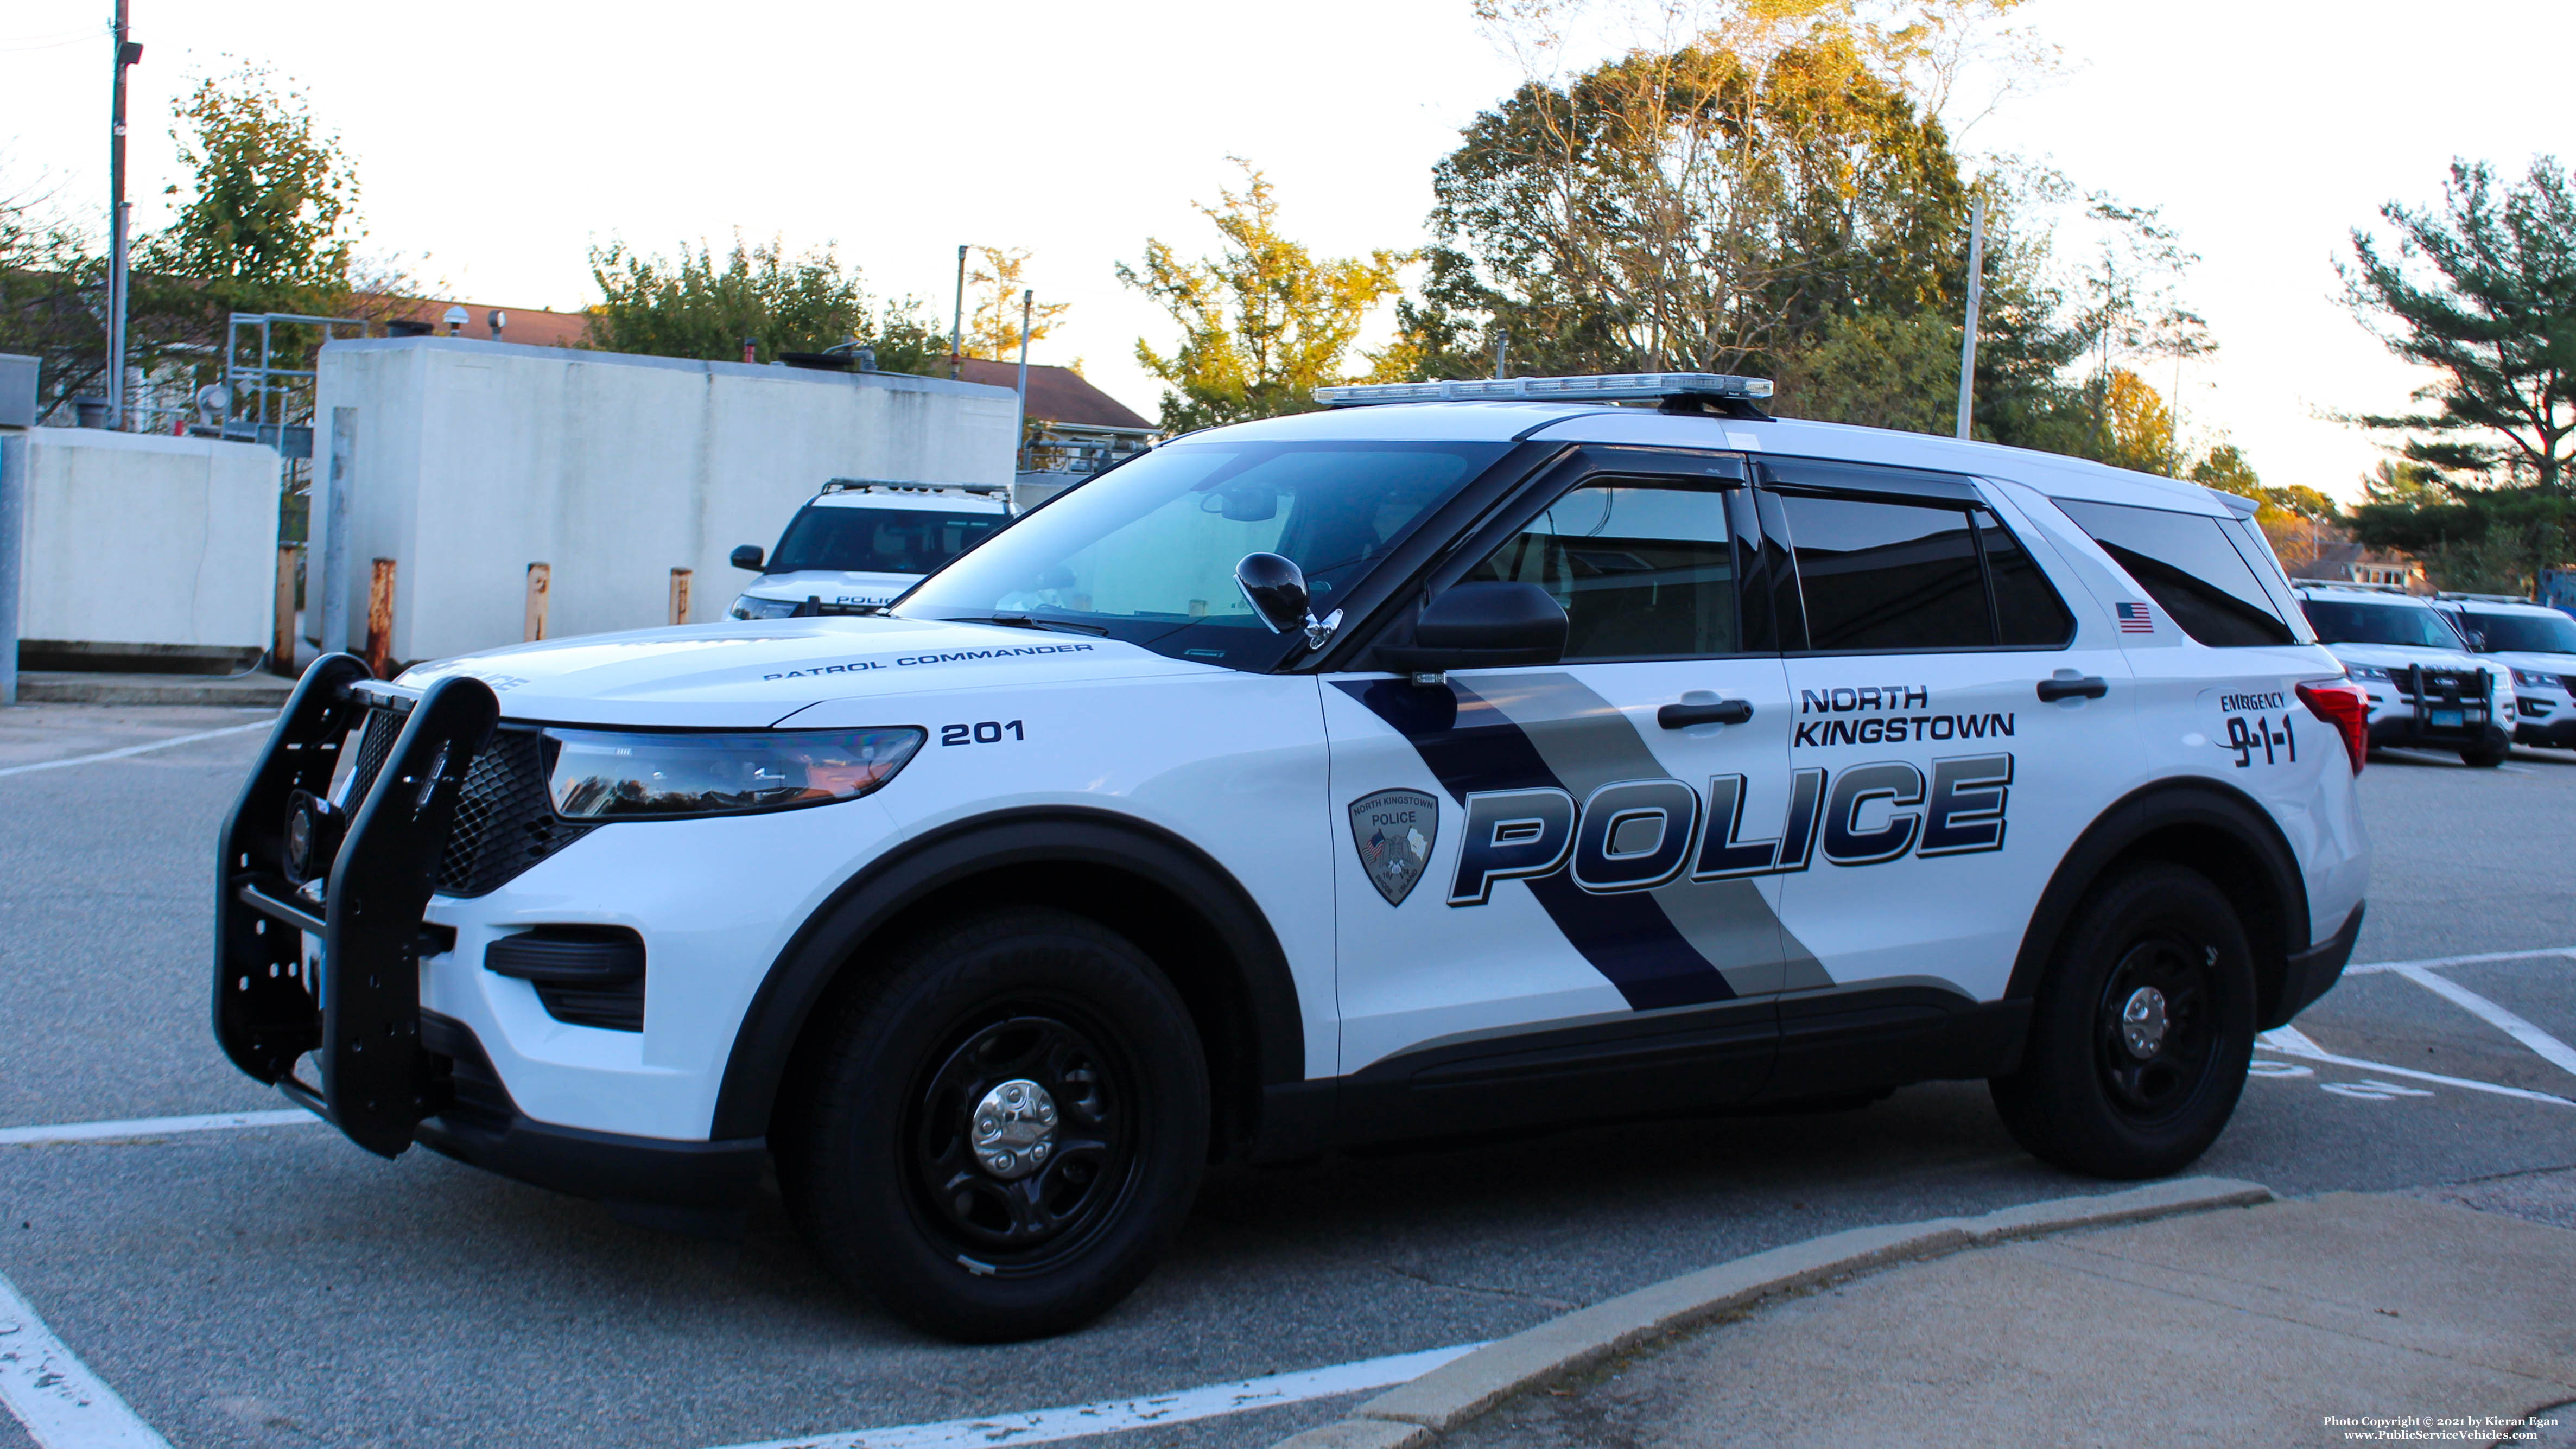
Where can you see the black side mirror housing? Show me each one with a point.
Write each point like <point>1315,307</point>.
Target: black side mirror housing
<point>1480,625</point>
<point>747,557</point>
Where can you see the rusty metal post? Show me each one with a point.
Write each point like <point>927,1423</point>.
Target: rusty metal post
<point>282,632</point>
<point>679,596</point>
<point>540,579</point>
<point>380,620</point>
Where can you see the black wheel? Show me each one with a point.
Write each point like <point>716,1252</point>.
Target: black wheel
<point>2142,1030</point>
<point>997,1134</point>
<point>2486,756</point>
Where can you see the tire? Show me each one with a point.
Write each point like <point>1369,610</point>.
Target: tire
<point>2161,944</point>
<point>2485,757</point>
<point>1071,1202</point>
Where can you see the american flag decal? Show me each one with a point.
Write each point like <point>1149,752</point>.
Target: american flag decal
<point>2136,619</point>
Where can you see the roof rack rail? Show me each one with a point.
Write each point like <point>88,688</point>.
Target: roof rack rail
<point>2354,584</point>
<point>1717,394</point>
<point>2488,598</point>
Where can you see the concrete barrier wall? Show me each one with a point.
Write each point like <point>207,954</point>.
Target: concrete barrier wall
<point>474,459</point>
<point>137,539</point>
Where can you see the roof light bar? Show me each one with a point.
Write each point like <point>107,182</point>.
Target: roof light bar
<point>1608,387</point>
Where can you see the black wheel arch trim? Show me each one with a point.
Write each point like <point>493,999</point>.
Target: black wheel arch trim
<point>2205,804</point>
<point>1032,838</point>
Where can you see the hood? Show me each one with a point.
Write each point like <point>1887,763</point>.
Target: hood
<point>749,674</point>
<point>2393,656</point>
<point>832,586</point>
<point>2562,665</point>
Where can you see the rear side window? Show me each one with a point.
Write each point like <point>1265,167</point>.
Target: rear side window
<point>2186,564</point>
<point>1887,574</point>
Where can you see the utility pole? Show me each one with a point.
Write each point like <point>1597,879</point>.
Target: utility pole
<point>1019,437</point>
<point>1502,352</point>
<point>1976,299</point>
<point>957,319</point>
<point>127,53</point>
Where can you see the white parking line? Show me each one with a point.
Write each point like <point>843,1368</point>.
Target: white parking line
<point>2436,963</point>
<point>2289,1041</point>
<point>152,1127</point>
<point>139,749</point>
<point>1109,1416</point>
<point>62,1403</point>
<point>2551,1049</point>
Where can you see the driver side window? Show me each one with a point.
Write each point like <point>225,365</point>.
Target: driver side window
<point>1643,567</point>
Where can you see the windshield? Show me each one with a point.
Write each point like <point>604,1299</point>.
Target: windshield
<point>1146,553</point>
<point>2526,633</point>
<point>878,540</point>
<point>2407,626</point>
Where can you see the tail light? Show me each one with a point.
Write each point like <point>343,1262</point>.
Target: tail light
<point>2343,704</point>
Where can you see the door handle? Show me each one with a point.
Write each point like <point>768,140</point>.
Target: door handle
<point>1725,711</point>
<point>2087,686</point>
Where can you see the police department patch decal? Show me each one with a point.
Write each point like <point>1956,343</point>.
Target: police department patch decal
<point>1394,830</point>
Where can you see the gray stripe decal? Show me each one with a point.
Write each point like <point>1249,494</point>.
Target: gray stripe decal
<point>1588,743</point>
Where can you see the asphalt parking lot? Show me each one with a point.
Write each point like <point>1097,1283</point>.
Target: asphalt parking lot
<point>275,1286</point>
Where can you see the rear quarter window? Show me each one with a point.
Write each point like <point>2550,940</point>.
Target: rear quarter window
<point>2192,571</point>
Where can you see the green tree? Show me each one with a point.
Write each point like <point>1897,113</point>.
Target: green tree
<point>693,305</point>
<point>1264,322</point>
<point>1697,209</point>
<point>268,220</point>
<point>2482,291</point>
<point>53,286</point>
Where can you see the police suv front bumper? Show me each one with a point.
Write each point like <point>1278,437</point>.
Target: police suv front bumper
<point>2437,707</point>
<point>389,1072</point>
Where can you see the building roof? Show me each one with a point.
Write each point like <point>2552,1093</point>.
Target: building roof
<point>532,326</point>
<point>1056,394</point>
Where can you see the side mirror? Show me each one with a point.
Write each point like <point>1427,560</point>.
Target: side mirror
<point>747,557</point>
<point>1276,589</point>
<point>2478,641</point>
<point>1482,624</point>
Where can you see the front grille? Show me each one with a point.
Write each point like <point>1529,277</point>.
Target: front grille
<point>505,820</point>
<point>375,742</point>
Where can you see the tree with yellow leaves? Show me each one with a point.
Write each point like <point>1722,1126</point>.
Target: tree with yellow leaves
<point>1264,322</point>
<point>993,318</point>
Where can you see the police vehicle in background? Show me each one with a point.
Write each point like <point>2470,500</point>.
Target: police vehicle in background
<point>857,544</point>
<point>2426,690</point>
<point>1466,757</point>
<point>2536,646</point>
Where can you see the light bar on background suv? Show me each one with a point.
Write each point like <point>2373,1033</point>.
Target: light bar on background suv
<point>1607,387</point>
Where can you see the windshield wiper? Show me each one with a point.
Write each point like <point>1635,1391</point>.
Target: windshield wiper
<point>1031,621</point>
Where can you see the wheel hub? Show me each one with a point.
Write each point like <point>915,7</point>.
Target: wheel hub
<point>1013,1129</point>
<point>2142,1022</point>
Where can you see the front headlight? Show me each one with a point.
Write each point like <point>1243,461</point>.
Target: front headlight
<point>748,607</point>
<point>600,775</point>
<point>2365,671</point>
<point>2534,679</point>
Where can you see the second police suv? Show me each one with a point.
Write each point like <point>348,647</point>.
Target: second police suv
<point>1468,756</point>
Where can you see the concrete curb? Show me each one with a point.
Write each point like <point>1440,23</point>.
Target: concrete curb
<point>1415,1413</point>
<point>258,690</point>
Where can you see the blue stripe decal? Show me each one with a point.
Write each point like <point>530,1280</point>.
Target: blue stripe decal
<point>1471,745</point>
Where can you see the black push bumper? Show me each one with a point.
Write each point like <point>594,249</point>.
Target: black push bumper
<point>2313,972</point>
<point>358,1011</point>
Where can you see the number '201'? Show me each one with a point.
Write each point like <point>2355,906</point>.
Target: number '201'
<point>986,732</point>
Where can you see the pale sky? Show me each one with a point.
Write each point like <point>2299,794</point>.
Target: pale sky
<point>496,142</point>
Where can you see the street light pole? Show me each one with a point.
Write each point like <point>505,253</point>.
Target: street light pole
<point>127,53</point>
<point>957,319</point>
<point>1976,298</point>
<point>1019,439</point>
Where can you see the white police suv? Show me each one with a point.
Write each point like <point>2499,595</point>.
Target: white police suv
<point>2536,646</point>
<point>2426,690</point>
<point>857,544</point>
<point>1466,757</point>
